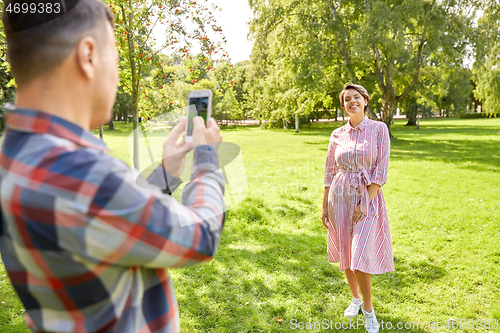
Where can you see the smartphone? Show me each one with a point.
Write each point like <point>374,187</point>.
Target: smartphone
<point>199,104</point>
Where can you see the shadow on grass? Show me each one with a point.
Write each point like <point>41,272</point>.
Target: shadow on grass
<point>297,198</point>
<point>238,128</point>
<point>439,142</point>
<point>483,154</point>
<point>261,275</point>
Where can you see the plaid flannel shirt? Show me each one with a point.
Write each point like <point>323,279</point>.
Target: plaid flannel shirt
<point>85,247</point>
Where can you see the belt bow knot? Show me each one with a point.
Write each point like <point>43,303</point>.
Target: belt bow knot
<point>361,182</point>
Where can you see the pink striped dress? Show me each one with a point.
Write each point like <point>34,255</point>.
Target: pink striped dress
<point>356,158</point>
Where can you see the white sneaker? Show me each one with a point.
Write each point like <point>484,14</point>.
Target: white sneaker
<point>371,323</point>
<point>353,308</point>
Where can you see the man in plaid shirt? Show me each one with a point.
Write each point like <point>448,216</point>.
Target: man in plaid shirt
<point>86,248</point>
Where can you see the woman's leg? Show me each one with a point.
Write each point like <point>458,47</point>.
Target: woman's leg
<point>353,284</point>
<point>365,285</point>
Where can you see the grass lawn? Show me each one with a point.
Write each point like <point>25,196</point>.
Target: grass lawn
<point>272,266</point>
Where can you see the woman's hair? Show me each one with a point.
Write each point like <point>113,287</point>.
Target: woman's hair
<point>362,91</point>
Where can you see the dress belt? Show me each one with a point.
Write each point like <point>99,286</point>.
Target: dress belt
<point>361,182</point>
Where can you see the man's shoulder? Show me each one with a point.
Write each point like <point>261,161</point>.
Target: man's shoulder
<point>89,165</point>
<point>55,163</point>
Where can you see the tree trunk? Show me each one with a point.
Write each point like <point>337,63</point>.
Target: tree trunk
<point>101,133</point>
<point>111,126</point>
<point>411,114</point>
<point>135,93</point>
<point>297,123</point>
<point>135,130</point>
<point>412,120</point>
<point>371,113</point>
<point>389,107</point>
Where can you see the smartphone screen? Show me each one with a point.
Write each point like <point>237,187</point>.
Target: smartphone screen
<point>198,106</point>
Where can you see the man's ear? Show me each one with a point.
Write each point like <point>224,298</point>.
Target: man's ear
<point>87,56</point>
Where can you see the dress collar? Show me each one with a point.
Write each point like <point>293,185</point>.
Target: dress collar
<point>33,121</point>
<point>361,126</point>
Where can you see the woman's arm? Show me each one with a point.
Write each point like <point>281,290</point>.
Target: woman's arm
<point>379,174</point>
<point>331,169</point>
<point>324,214</point>
<point>372,190</point>
<point>381,165</point>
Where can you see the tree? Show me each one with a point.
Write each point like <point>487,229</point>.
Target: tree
<point>7,83</point>
<point>140,54</point>
<point>123,104</point>
<point>386,42</point>
<point>241,86</point>
<point>486,67</point>
<point>293,66</point>
<point>406,36</point>
<point>458,91</point>
<point>342,32</point>
<point>442,87</point>
<point>225,102</point>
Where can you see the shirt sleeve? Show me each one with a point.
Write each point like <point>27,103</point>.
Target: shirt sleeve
<point>163,179</point>
<point>381,165</point>
<point>130,225</point>
<point>331,167</point>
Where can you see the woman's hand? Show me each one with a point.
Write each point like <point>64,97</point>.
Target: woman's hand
<point>324,217</point>
<point>357,216</point>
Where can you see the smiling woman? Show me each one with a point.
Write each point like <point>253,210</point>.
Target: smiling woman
<point>353,204</point>
<point>353,95</point>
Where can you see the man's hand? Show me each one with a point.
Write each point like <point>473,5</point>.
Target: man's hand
<point>174,152</point>
<point>209,135</point>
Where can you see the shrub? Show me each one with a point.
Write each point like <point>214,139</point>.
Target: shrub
<point>479,115</point>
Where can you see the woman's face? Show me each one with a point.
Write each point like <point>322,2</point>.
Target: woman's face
<point>353,101</point>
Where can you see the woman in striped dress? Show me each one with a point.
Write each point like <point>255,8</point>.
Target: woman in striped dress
<point>354,209</point>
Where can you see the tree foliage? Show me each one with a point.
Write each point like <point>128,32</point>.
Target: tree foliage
<point>7,83</point>
<point>487,65</point>
<point>143,70</point>
<point>308,49</point>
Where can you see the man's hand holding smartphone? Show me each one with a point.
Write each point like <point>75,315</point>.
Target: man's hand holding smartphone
<point>206,135</point>
<point>174,152</point>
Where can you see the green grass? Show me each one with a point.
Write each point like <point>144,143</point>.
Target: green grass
<point>272,265</point>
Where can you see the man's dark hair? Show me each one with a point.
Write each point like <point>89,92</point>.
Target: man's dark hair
<point>38,50</point>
